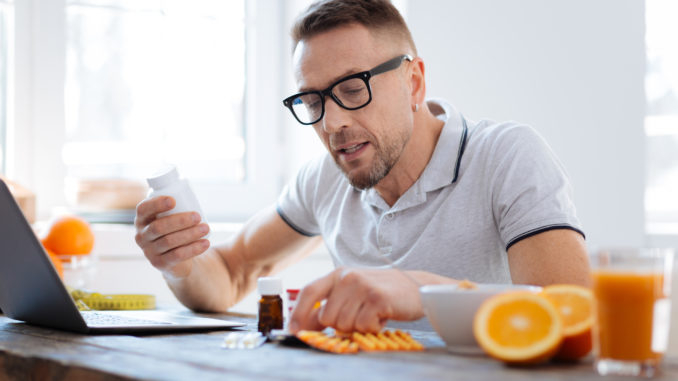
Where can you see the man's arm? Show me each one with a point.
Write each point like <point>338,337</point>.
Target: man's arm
<point>213,279</point>
<point>555,256</point>
<point>364,299</point>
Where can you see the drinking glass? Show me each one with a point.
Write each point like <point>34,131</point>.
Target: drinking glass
<point>632,308</point>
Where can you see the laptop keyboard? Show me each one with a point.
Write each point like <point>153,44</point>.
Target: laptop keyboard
<point>101,319</point>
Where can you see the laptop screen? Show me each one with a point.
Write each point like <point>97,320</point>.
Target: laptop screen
<point>30,288</point>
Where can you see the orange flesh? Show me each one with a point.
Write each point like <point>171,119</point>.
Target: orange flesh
<point>519,324</point>
<point>571,316</point>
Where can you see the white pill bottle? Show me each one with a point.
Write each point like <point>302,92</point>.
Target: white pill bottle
<point>168,183</point>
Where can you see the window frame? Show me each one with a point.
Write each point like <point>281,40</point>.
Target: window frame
<point>660,231</point>
<point>6,79</point>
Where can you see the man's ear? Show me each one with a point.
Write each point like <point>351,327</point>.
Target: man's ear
<point>417,81</point>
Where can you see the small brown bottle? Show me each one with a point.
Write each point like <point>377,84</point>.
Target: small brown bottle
<point>270,304</point>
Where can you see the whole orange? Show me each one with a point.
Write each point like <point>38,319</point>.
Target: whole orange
<point>69,235</point>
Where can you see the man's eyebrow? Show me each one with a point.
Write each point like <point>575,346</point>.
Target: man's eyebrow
<point>333,80</point>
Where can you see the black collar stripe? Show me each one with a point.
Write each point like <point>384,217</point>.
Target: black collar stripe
<point>462,147</point>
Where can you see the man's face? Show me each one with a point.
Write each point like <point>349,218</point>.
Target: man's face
<point>365,143</point>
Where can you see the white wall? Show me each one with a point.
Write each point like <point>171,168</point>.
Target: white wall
<point>572,69</point>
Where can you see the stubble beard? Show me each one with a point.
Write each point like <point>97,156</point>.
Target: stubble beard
<point>385,158</point>
<point>381,167</point>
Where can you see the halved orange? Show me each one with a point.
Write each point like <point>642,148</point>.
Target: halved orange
<point>518,327</point>
<point>575,305</point>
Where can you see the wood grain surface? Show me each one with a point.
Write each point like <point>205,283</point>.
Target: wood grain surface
<point>29,352</point>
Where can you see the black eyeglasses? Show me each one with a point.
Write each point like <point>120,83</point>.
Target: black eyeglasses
<point>351,92</point>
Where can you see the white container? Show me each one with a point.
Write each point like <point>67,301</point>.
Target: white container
<point>169,184</point>
<point>451,310</point>
<point>269,286</point>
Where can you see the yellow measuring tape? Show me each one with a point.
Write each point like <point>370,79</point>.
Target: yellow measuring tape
<point>95,301</point>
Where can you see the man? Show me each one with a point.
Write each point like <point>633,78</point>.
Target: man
<point>410,192</point>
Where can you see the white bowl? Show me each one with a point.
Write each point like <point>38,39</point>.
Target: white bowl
<point>450,311</point>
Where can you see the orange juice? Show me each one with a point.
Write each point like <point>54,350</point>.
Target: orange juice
<point>625,306</point>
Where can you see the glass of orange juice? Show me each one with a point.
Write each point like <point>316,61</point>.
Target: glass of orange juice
<point>631,288</point>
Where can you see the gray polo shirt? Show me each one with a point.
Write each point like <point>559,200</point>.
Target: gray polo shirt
<point>487,186</point>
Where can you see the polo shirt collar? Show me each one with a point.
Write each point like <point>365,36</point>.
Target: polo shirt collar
<point>443,168</point>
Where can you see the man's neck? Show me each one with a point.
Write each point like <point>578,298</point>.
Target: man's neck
<point>414,159</point>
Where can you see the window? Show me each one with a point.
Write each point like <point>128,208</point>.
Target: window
<point>117,88</point>
<point>661,122</point>
<point>107,89</point>
<point>150,82</point>
<point>6,56</point>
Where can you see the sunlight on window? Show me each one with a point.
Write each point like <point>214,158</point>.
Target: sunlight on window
<point>661,122</point>
<point>151,82</point>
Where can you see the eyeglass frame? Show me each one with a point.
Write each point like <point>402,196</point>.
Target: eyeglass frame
<point>389,65</point>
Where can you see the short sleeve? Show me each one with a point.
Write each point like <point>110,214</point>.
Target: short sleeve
<point>296,202</point>
<point>531,192</point>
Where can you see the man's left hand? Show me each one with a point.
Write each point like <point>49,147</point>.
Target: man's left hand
<point>357,300</point>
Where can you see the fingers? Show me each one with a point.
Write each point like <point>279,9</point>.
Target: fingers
<point>304,316</point>
<point>368,319</point>
<point>355,304</point>
<point>176,261</point>
<point>161,227</point>
<point>356,300</point>
<point>312,323</point>
<point>168,241</point>
<point>342,305</point>
<point>177,240</point>
<point>344,319</point>
<point>148,209</point>
<point>180,236</point>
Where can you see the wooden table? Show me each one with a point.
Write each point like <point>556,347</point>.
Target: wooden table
<point>28,352</point>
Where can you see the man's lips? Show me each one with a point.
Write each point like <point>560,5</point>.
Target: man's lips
<point>352,148</point>
<point>351,151</point>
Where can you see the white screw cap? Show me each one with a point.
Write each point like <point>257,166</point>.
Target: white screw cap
<point>269,286</point>
<point>164,178</point>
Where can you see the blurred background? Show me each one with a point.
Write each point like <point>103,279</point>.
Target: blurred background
<point>95,95</point>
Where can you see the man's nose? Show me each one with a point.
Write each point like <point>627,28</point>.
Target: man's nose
<point>335,117</point>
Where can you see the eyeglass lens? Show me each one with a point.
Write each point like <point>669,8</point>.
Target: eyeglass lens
<point>351,93</point>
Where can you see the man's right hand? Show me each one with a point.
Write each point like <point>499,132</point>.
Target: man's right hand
<point>169,242</point>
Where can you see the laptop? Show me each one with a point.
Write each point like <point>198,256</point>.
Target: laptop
<point>31,290</point>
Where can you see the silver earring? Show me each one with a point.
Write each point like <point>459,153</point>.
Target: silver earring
<point>416,107</point>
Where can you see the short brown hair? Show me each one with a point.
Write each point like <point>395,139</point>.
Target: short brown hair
<point>375,15</point>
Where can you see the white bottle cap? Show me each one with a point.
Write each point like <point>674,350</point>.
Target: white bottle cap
<point>269,286</point>
<point>163,178</point>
